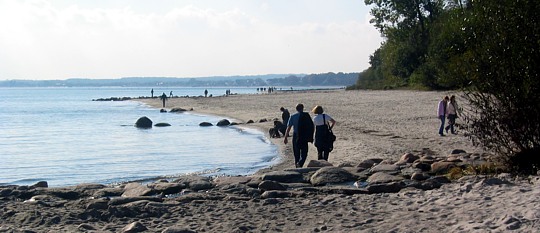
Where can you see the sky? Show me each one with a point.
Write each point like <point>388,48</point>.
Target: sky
<point>97,39</point>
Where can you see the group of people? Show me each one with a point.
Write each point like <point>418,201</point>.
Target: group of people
<point>447,108</point>
<point>304,127</point>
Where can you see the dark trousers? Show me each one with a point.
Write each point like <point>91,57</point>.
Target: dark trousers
<point>322,153</point>
<point>451,122</point>
<point>300,150</point>
<point>442,125</point>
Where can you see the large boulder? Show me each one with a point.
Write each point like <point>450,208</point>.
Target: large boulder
<point>144,123</point>
<point>331,175</point>
<point>205,124</point>
<point>223,122</point>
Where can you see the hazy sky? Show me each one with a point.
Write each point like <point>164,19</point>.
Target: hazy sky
<point>56,39</point>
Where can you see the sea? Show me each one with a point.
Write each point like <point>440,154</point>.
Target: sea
<point>60,135</point>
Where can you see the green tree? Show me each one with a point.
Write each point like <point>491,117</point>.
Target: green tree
<point>503,41</point>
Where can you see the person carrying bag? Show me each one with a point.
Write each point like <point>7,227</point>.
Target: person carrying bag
<point>324,137</point>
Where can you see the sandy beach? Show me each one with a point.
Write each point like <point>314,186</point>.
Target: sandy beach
<point>381,125</point>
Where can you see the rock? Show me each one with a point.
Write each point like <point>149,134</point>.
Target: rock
<point>134,227</point>
<point>250,122</point>
<point>64,193</point>
<point>86,227</point>
<point>419,176</point>
<point>40,184</point>
<point>167,188</point>
<point>162,110</point>
<point>195,183</point>
<point>442,167</point>
<point>319,163</point>
<point>205,124</point>
<point>422,166</point>
<point>271,185</point>
<point>144,123</point>
<point>457,151</point>
<point>223,122</point>
<point>200,185</point>
<point>136,190</point>
<point>331,175</point>
<point>280,194</point>
<point>108,192</point>
<point>384,168</point>
<point>124,200</point>
<point>368,163</point>
<point>393,187</point>
<point>263,120</point>
<point>99,204</point>
<point>284,177</point>
<point>178,110</point>
<point>407,158</point>
<point>229,180</point>
<point>383,177</point>
<point>177,230</point>
<point>162,125</point>
<point>409,171</point>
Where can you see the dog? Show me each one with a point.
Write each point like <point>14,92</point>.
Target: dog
<point>278,128</point>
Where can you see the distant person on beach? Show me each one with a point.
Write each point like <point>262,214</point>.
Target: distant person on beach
<point>323,124</point>
<point>451,112</point>
<point>285,115</point>
<point>205,93</point>
<point>170,95</point>
<point>163,98</point>
<point>303,133</point>
<point>152,92</point>
<point>441,113</point>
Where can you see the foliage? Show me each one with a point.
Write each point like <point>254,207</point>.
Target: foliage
<point>504,96</point>
<point>490,49</point>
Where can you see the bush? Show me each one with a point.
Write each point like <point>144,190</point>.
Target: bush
<point>504,96</point>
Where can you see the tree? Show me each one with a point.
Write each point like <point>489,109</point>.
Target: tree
<point>503,41</point>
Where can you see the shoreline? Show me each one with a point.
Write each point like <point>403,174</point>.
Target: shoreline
<point>387,145</point>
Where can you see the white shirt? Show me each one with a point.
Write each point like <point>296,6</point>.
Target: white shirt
<point>318,119</point>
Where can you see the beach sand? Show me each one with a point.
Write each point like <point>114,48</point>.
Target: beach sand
<point>370,124</point>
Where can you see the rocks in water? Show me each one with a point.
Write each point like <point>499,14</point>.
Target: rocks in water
<point>40,184</point>
<point>162,125</point>
<point>178,110</point>
<point>144,123</point>
<point>163,110</point>
<point>250,122</point>
<point>205,124</point>
<point>223,122</point>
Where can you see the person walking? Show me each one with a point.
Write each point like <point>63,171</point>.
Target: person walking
<point>205,92</point>
<point>152,92</point>
<point>323,124</point>
<point>451,111</point>
<point>163,98</point>
<point>303,128</point>
<point>441,113</point>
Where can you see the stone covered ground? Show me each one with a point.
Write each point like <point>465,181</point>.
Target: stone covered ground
<point>375,195</point>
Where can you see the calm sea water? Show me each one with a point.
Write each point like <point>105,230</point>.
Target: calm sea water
<point>63,137</point>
